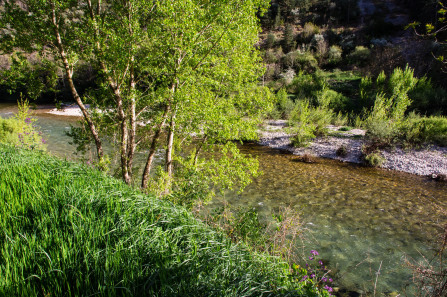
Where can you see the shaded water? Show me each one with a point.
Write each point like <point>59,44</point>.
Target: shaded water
<point>358,217</point>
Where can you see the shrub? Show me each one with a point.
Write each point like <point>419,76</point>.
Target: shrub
<point>309,30</point>
<point>301,121</point>
<point>308,85</point>
<point>307,122</point>
<point>288,76</point>
<point>270,41</point>
<point>342,151</point>
<point>359,56</point>
<point>426,130</point>
<point>20,130</point>
<point>334,55</point>
<point>374,159</point>
<point>332,99</point>
<point>301,61</point>
<point>285,105</point>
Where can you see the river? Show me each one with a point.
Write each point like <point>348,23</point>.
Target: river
<point>357,218</point>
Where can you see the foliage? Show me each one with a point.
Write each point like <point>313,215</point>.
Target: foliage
<point>420,130</point>
<point>71,230</point>
<point>31,79</point>
<point>303,61</point>
<point>391,102</point>
<point>334,55</point>
<point>307,122</point>
<point>359,56</point>
<point>308,85</point>
<point>285,105</point>
<point>289,42</point>
<point>20,130</point>
<point>374,159</point>
<point>309,30</point>
<point>270,40</point>
<point>198,77</point>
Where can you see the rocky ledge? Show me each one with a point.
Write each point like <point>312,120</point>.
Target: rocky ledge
<point>430,160</point>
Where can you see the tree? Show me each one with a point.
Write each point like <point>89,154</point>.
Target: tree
<point>182,67</point>
<point>436,30</point>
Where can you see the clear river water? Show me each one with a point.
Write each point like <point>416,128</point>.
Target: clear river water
<point>357,218</point>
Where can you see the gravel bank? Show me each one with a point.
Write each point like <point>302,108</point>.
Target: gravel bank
<point>426,161</point>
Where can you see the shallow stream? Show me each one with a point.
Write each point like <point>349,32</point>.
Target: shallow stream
<point>359,219</point>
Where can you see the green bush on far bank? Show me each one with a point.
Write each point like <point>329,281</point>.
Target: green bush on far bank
<point>68,229</point>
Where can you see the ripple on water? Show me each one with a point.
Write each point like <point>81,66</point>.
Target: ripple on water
<point>358,217</point>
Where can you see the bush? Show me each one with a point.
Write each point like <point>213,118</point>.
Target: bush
<point>20,130</point>
<point>426,130</point>
<point>334,55</point>
<point>307,85</point>
<point>359,56</point>
<point>301,61</point>
<point>285,105</point>
<point>270,42</point>
<point>332,99</point>
<point>309,30</point>
<point>374,159</point>
<point>307,122</point>
<point>342,151</point>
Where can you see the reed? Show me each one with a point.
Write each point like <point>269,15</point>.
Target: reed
<point>70,230</point>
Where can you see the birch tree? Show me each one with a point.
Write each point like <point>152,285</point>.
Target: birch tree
<point>170,74</point>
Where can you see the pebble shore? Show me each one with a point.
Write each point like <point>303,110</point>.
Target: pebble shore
<point>428,161</point>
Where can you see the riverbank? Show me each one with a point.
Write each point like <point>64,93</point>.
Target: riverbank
<point>74,231</point>
<point>425,161</point>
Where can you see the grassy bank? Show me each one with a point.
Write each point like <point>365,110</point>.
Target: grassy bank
<point>69,230</point>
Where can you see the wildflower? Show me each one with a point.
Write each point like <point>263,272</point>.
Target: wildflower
<point>28,120</point>
<point>331,280</point>
<point>320,262</point>
<point>329,289</point>
<point>304,278</point>
<point>311,258</point>
<point>324,279</point>
<point>43,141</point>
<point>312,275</point>
<point>314,252</point>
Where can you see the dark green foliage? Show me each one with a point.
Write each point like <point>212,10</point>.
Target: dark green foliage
<point>289,43</point>
<point>69,230</point>
<point>374,159</point>
<point>426,130</point>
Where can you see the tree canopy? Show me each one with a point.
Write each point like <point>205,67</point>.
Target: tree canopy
<point>185,70</point>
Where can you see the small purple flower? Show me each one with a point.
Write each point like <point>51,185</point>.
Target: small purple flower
<point>320,262</point>
<point>312,275</point>
<point>329,289</point>
<point>43,141</point>
<point>304,278</point>
<point>311,258</point>
<point>331,280</point>
<point>28,120</point>
<point>324,279</point>
<point>314,252</point>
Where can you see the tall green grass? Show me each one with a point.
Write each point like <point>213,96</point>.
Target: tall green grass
<point>69,230</point>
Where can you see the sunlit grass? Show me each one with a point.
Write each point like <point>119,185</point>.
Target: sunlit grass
<point>69,230</point>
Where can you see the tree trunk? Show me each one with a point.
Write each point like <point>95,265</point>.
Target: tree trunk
<point>74,92</point>
<point>152,150</point>
<point>169,152</point>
